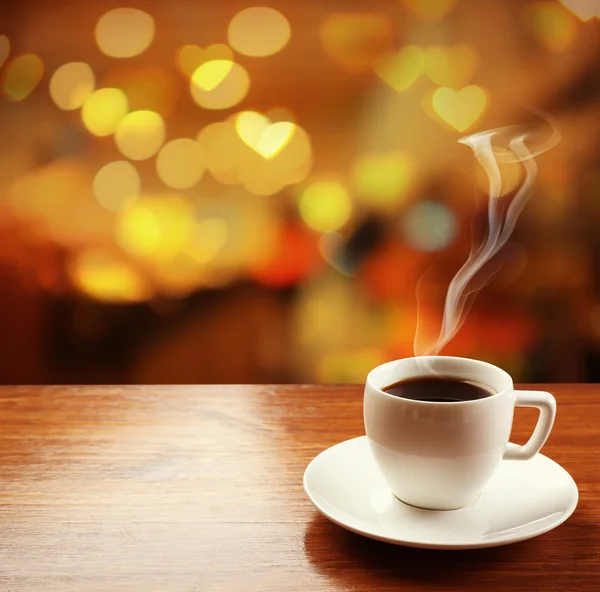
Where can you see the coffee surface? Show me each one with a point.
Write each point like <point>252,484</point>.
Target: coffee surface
<point>438,389</point>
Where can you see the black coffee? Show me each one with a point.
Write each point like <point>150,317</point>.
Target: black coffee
<point>438,389</point>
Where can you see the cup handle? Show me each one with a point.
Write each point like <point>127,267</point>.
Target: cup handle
<point>546,403</point>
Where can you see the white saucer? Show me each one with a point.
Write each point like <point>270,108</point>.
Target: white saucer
<point>524,499</point>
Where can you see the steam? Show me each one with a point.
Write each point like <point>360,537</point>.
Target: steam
<point>501,221</point>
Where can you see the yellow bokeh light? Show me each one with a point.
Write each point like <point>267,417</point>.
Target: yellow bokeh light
<point>190,57</point>
<point>103,110</point>
<point>105,276</point>
<point>381,179</point>
<point>180,163</point>
<point>450,66</point>
<point>219,84</point>
<point>355,41</point>
<point>264,137</point>
<point>222,149</point>
<point>71,85</point>
<point>401,69</point>
<point>293,164</point>
<point>155,228</point>
<point>4,49</point>
<point>21,76</point>
<point>206,239</point>
<point>460,109</point>
<point>258,31</point>
<point>124,32</point>
<point>552,25</point>
<point>140,134</point>
<point>117,185</point>
<point>325,206</point>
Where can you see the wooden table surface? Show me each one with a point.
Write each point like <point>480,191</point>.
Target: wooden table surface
<point>200,489</point>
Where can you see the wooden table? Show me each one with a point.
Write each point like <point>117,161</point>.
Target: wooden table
<point>200,489</point>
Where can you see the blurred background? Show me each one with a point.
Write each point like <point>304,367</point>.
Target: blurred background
<point>219,192</point>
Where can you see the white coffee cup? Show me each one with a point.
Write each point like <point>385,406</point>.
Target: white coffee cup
<point>440,455</point>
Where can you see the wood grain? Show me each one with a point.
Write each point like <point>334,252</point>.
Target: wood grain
<point>189,489</point>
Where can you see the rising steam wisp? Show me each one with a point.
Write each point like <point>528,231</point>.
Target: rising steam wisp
<point>500,226</point>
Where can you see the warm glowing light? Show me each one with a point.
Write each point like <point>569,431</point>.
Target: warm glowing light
<point>258,31</point>
<point>429,226</point>
<point>325,206</point>
<point>117,185</point>
<point>104,276</point>
<point>430,9</point>
<point>103,110</point>
<point>211,74</point>
<point>155,228</point>
<point>4,49</point>
<point>584,9</point>
<point>552,25</point>
<point>140,134</point>
<point>294,163</point>
<point>124,32</point>
<point>381,180</point>
<point>21,76</point>
<point>179,163</point>
<point>219,84</point>
<point>460,109</point>
<point>206,239</point>
<point>355,41</point>
<point>190,57</point>
<point>71,85</point>
<point>347,367</point>
<point>222,150</point>
<point>402,69</point>
<point>450,66</point>
<point>264,137</point>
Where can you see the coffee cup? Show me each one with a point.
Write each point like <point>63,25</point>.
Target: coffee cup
<point>440,455</point>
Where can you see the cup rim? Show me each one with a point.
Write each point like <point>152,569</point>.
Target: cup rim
<point>445,403</point>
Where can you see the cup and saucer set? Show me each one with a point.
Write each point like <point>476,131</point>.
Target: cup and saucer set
<point>439,474</point>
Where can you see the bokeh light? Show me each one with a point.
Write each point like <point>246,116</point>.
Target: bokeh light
<point>400,70</point>
<point>258,31</point>
<point>381,179</point>
<point>219,84</point>
<point>140,134</point>
<point>222,150</point>
<point>450,66</point>
<point>190,57</point>
<point>124,32</point>
<point>21,76</point>
<point>264,137</point>
<point>355,41</point>
<point>430,9</point>
<point>179,163</point>
<point>325,206</point>
<point>460,109</point>
<point>105,276</point>
<point>429,226</point>
<point>154,228</point>
<point>103,110</point>
<point>117,185</point>
<point>4,49</point>
<point>206,239</point>
<point>584,9</point>
<point>71,85</point>
<point>552,25</point>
